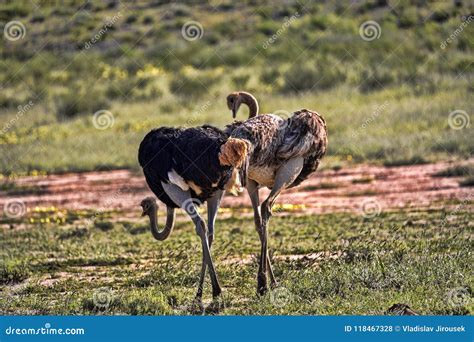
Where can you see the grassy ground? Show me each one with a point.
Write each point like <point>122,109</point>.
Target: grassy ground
<point>393,126</point>
<point>422,258</point>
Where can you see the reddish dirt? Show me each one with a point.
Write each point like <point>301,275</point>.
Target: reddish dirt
<point>326,191</point>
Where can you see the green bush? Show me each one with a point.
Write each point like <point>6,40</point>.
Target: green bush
<point>270,76</point>
<point>375,78</point>
<point>79,100</point>
<point>12,272</point>
<point>194,85</point>
<point>307,76</point>
<point>240,81</point>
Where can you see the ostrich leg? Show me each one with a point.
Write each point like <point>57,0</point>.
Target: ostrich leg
<point>252,189</point>
<point>285,175</point>
<point>213,205</point>
<point>184,200</point>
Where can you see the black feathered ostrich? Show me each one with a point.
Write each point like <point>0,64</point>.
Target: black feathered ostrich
<point>184,168</point>
<point>282,154</point>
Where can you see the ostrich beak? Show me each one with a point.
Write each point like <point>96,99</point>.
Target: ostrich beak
<point>143,212</point>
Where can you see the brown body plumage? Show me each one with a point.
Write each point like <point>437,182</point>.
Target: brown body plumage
<point>274,140</point>
<point>282,154</point>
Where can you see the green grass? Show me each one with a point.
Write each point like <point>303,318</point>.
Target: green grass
<point>419,258</point>
<point>457,171</point>
<point>77,146</point>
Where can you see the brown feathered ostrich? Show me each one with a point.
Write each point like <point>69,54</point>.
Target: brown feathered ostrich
<point>282,154</point>
<point>184,168</point>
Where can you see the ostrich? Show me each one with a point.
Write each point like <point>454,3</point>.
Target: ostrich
<point>184,168</point>
<point>282,154</point>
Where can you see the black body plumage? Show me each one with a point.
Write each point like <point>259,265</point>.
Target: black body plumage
<point>192,153</point>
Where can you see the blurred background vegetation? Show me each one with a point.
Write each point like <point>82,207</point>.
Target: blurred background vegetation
<point>387,100</point>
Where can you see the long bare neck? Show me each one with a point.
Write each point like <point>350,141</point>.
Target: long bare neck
<point>162,235</point>
<point>251,102</point>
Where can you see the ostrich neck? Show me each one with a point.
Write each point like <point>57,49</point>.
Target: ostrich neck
<point>251,102</point>
<point>169,224</point>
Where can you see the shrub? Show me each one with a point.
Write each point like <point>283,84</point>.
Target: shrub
<point>131,19</point>
<point>78,101</point>
<point>456,171</point>
<point>270,75</point>
<point>240,81</point>
<point>13,10</point>
<point>375,78</point>
<point>148,20</point>
<point>192,84</point>
<point>13,272</point>
<point>469,181</point>
<point>307,76</point>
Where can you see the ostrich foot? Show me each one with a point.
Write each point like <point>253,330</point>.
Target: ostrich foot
<point>262,286</point>
<point>216,306</point>
<point>216,292</point>
<point>266,212</point>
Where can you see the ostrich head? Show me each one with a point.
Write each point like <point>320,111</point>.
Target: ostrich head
<point>235,99</point>
<point>149,206</point>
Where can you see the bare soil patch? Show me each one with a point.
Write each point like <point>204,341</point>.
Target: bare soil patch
<point>326,191</point>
